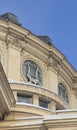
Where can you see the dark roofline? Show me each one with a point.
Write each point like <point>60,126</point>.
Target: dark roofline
<point>46,39</point>
<point>10,17</point>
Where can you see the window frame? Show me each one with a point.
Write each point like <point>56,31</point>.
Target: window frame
<point>22,96</point>
<point>44,101</point>
<point>62,92</point>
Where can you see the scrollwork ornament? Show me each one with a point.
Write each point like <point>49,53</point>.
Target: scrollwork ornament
<point>1,57</point>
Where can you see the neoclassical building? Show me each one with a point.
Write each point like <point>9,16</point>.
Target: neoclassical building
<point>38,86</point>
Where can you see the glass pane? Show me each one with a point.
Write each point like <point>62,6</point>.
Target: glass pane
<point>59,91</point>
<point>26,99</point>
<point>25,69</point>
<point>62,91</point>
<point>33,71</point>
<point>63,94</point>
<point>39,76</point>
<point>43,103</point>
<point>67,98</point>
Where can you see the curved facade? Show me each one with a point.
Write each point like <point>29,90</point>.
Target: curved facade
<point>42,81</point>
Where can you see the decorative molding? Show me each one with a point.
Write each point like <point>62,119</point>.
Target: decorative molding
<point>2,59</point>
<point>35,89</point>
<point>53,65</point>
<point>2,52</point>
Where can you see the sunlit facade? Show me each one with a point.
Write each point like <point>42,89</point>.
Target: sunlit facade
<point>38,86</point>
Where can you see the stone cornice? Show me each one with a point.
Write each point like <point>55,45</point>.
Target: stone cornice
<point>59,122</point>
<point>19,87</point>
<point>61,59</point>
<point>24,40</point>
<point>31,109</point>
<point>30,124</point>
<point>41,123</point>
<point>25,45</point>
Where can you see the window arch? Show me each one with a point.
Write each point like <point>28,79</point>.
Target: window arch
<point>62,91</point>
<point>32,72</point>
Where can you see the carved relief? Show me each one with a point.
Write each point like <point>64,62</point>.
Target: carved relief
<point>27,57</point>
<point>2,52</point>
<point>53,65</point>
<point>1,57</point>
<point>74,84</point>
<point>15,42</point>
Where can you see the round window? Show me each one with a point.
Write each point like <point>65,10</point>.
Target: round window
<point>32,72</point>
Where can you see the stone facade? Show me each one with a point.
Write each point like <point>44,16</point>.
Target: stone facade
<point>43,82</point>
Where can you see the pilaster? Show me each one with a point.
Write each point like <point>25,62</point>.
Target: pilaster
<point>35,100</point>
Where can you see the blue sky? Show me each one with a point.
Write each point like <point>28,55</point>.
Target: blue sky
<point>55,18</point>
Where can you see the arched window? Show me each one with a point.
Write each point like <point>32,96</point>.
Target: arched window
<point>32,72</point>
<point>62,91</point>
